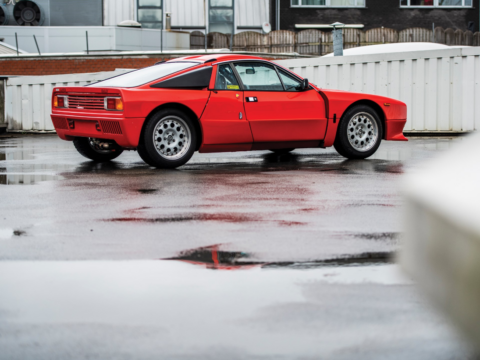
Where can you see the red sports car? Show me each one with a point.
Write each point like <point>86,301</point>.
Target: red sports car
<point>218,103</point>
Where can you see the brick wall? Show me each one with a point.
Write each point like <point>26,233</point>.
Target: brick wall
<point>81,64</point>
<point>48,66</point>
<point>379,13</point>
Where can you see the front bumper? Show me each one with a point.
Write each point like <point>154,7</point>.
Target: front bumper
<point>394,130</point>
<point>124,131</point>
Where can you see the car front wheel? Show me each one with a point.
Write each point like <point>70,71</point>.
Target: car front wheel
<point>168,139</point>
<point>359,133</point>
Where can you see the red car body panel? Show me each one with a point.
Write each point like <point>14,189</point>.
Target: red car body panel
<point>227,121</point>
<point>286,116</point>
<point>394,113</point>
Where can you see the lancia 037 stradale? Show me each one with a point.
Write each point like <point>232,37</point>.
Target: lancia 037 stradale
<point>219,103</point>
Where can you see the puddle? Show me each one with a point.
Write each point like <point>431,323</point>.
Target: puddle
<point>27,178</point>
<point>212,257</point>
<point>188,300</point>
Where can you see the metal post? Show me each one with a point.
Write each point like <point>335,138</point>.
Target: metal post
<point>206,24</point>
<point>36,43</point>
<point>86,35</point>
<point>337,42</point>
<point>277,25</point>
<point>233,27</point>
<point>433,32</point>
<point>16,40</point>
<point>161,29</point>
<point>319,46</point>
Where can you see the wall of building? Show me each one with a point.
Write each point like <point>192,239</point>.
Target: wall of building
<point>379,13</point>
<point>55,39</point>
<point>66,12</point>
<point>190,14</point>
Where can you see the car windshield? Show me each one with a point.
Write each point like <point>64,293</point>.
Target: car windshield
<point>139,77</point>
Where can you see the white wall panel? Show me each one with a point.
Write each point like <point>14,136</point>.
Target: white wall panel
<point>440,87</point>
<point>116,11</point>
<point>73,39</point>
<point>252,12</point>
<point>186,12</point>
<point>28,99</point>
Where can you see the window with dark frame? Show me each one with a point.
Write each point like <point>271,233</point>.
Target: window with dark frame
<point>220,16</point>
<point>436,3</point>
<point>150,13</point>
<point>328,3</point>
<point>258,76</point>
<point>226,79</point>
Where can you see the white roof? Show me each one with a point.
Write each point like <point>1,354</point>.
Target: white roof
<point>9,49</point>
<point>393,48</point>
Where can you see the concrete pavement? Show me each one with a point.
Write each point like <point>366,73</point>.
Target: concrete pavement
<point>237,255</point>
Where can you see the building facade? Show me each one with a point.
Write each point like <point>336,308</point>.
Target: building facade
<point>297,15</point>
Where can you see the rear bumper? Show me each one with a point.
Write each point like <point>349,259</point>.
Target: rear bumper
<point>125,131</point>
<point>394,130</point>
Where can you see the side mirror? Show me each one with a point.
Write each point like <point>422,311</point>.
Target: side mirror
<point>304,85</point>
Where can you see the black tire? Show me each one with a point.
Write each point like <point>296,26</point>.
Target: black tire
<point>84,147</point>
<point>359,133</point>
<point>142,152</point>
<point>160,152</point>
<point>281,151</point>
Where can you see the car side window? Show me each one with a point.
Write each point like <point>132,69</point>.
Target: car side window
<point>258,76</point>
<point>226,79</point>
<point>290,83</point>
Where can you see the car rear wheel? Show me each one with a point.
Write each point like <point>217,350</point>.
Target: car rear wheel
<point>97,149</point>
<point>359,133</point>
<point>168,139</point>
<point>281,151</point>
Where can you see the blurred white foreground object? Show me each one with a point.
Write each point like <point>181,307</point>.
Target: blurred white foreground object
<point>441,250</point>
<point>393,48</point>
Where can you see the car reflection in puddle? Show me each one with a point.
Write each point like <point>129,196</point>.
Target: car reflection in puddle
<point>212,257</point>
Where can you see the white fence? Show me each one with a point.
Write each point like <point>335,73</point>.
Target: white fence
<point>28,99</point>
<point>440,87</point>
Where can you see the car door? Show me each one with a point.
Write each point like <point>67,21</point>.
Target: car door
<point>224,120</point>
<point>276,107</point>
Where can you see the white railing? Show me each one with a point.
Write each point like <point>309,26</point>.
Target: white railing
<point>440,87</point>
<point>28,99</point>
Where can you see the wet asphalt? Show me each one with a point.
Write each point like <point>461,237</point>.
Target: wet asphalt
<point>236,255</point>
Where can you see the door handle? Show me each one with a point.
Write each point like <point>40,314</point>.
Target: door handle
<point>252,99</point>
